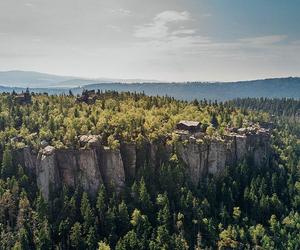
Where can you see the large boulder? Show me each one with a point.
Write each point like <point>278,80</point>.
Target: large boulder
<point>90,141</point>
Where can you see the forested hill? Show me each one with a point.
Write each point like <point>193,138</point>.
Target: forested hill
<point>279,107</point>
<point>248,206</point>
<point>221,91</point>
<point>271,88</point>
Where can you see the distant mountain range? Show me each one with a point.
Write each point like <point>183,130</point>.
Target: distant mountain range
<point>31,79</point>
<point>53,84</point>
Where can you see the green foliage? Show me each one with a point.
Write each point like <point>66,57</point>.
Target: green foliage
<point>248,207</point>
<point>103,246</point>
<point>7,167</point>
<point>76,236</point>
<point>116,117</point>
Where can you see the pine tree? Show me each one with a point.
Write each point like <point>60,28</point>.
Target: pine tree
<point>162,239</point>
<point>91,238</point>
<point>144,197</point>
<point>43,237</point>
<point>41,207</point>
<point>76,236</point>
<point>101,202</point>
<point>7,169</point>
<point>103,246</point>
<point>141,226</point>
<point>122,219</point>
<point>24,239</point>
<point>86,212</point>
<point>214,121</point>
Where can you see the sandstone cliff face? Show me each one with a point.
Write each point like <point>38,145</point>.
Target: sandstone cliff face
<point>129,155</point>
<point>46,171</point>
<point>195,157</point>
<point>86,168</point>
<point>79,168</point>
<point>58,167</point>
<point>212,156</point>
<point>27,158</point>
<point>89,173</point>
<point>112,169</point>
<point>94,164</point>
<point>217,152</point>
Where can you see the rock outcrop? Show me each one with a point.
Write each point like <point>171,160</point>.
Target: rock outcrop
<point>47,176</point>
<point>211,156</point>
<point>87,168</point>
<point>195,157</point>
<point>112,169</point>
<point>79,168</point>
<point>94,164</point>
<point>27,158</point>
<point>128,153</point>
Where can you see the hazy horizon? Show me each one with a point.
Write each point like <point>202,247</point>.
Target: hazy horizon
<point>127,80</point>
<point>173,40</point>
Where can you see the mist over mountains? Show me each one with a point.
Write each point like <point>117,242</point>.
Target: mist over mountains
<point>54,84</point>
<point>31,79</point>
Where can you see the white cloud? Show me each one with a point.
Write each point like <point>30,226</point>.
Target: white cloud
<point>184,32</point>
<point>263,40</point>
<point>166,34</point>
<point>120,11</point>
<point>159,27</point>
<point>172,16</point>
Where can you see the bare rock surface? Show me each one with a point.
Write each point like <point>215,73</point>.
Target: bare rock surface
<point>112,168</point>
<point>128,154</point>
<point>46,171</point>
<point>211,156</point>
<point>94,164</point>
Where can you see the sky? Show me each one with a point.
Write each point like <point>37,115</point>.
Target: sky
<point>168,40</point>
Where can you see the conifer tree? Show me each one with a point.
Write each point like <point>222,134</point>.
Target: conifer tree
<point>7,169</point>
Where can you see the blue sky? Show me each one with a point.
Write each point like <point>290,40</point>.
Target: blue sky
<point>171,40</point>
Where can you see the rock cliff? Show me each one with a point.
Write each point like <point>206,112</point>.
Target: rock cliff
<point>112,168</point>
<point>211,156</point>
<point>94,164</point>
